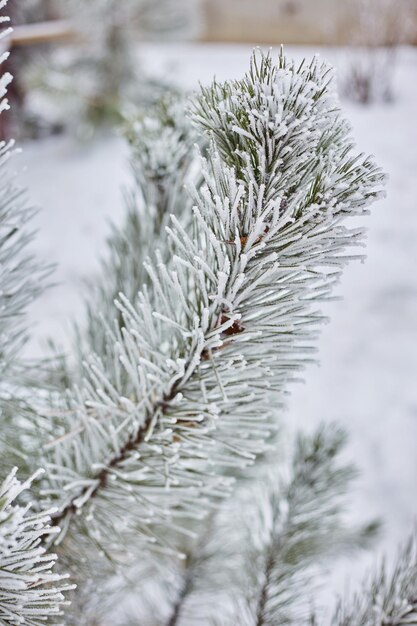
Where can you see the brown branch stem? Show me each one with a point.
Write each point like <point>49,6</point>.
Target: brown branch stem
<point>131,444</point>
<point>263,597</point>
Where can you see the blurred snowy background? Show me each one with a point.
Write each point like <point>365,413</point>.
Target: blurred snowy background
<point>367,379</point>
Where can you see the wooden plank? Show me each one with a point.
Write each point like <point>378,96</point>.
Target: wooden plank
<point>41,32</point>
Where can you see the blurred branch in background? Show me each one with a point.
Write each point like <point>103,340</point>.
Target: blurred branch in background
<point>379,28</point>
<point>84,85</point>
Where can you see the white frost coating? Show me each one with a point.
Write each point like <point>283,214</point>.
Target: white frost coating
<point>259,250</point>
<point>30,591</point>
<point>19,274</point>
<point>389,596</point>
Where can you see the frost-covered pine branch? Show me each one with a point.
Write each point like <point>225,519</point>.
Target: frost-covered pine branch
<point>21,281</point>
<point>162,162</point>
<point>263,567</point>
<point>17,288</point>
<point>31,591</point>
<point>297,524</point>
<point>389,598</point>
<point>20,274</point>
<point>204,354</point>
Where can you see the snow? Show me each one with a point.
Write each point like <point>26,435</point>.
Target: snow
<point>368,374</point>
<point>78,187</point>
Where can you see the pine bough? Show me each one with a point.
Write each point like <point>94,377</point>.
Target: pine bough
<point>226,319</point>
<point>31,592</point>
<point>389,598</point>
<point>262,567</point>
<point>163,163</point>
<point>186,372</point>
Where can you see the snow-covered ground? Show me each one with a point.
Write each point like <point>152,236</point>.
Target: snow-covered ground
<point>368,352</point>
